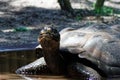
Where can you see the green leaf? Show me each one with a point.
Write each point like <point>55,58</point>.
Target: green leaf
<point>21,29</point>
<point>104,11</point>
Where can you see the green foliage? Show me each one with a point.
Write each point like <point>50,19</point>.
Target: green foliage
<point>103,10</point>
<point>78,18</point>
<point>20,29</point>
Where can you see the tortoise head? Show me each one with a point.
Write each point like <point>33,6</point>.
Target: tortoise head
<point>49,38</point>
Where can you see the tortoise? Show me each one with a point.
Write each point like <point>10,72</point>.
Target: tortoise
<point>87,52</point>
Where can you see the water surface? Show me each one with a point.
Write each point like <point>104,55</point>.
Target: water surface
<point>11,60</point>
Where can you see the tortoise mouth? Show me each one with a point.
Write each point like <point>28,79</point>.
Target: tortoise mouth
<point>45,37</point>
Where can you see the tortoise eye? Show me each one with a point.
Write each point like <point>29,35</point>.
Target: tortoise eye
<point>42,31</point>
<point>45,28</point>
<point>48,29</point>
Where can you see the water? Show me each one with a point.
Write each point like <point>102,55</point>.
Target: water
<point>11,60</point>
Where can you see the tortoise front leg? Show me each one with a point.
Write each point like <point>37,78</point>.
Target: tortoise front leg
<point>80,71</point>
<point>37,67</point>
<point>39,51</point>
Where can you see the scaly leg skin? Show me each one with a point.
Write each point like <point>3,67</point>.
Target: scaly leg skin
<point>37,67</point>
<point>39,51</point>
<point>80,71</point>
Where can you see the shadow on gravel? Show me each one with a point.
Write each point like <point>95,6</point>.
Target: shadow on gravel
<point>34,16</point>
<point>12,17</point>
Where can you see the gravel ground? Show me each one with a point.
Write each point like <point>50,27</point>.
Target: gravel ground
<point>22,20</point>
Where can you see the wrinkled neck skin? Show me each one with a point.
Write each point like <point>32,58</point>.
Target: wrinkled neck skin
<point>54,59</point>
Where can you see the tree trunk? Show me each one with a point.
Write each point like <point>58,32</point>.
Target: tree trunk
<point>66,6</point>
<point>99,4</point>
